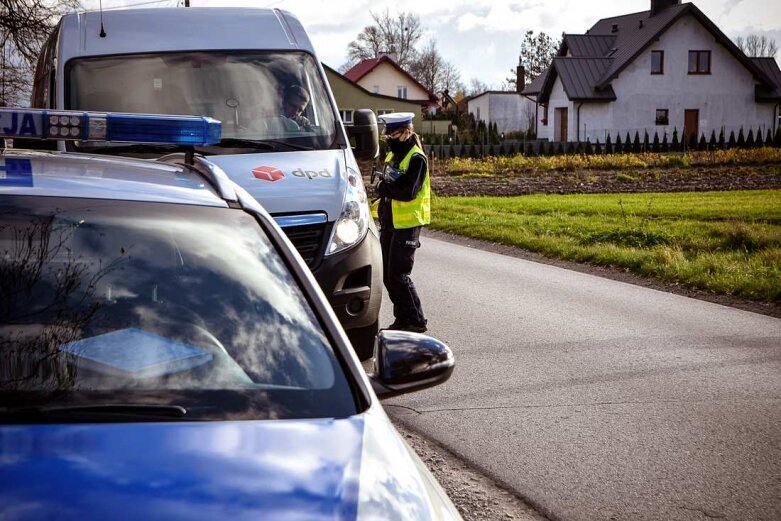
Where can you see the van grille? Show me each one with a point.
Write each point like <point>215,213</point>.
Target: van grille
<point>309,239</point>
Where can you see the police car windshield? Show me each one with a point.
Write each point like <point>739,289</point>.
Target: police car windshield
<point>257,96</point>
<point>118,302</point>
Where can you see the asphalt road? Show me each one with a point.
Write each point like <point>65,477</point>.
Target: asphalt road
<point>596,399</point>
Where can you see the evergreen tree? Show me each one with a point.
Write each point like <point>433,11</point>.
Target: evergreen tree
<point>675,146</point>
<point>619,146</point>
<point>769,139</point>
<point>608,145</point>
<point>628,144</point>
<point>741,139</point>
<point>703,144</point>
<point>636,143</point>
<point>571,148</point>
<point>722,142</point>
<point>646,142</point>
<point>656,147</point>
<point>529,150</point>
<point>712,142</point>
<point>758,138</point>
<point>750,139</point>
<point>665,146</point>
<point>777,138</point>
<point>732,143</point>
<point>588,150</point>
<point>692,141</point>
<point>559,149</point>
<point>597,147</point>
<point>579,147</point>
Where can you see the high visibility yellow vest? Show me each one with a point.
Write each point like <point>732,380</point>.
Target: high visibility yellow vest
<point>408,214</point>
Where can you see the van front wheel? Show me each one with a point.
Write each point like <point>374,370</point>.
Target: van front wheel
<point>362,339</point>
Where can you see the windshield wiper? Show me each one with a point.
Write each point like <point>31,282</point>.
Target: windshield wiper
<point>269,144</point>
<point>244,143</point>
<point>95,412</point>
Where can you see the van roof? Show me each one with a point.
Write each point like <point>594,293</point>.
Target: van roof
<point>180,29</point>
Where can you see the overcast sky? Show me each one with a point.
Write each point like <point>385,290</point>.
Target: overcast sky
<point>483,37</point>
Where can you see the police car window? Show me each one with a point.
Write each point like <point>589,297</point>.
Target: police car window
<point>141,302</point>
<point>256,95</point>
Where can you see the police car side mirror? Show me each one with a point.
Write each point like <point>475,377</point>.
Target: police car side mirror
<point>366,134</point>
<point>406,362</point>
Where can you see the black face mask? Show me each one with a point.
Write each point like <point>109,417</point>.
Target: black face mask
<point>400,148</point>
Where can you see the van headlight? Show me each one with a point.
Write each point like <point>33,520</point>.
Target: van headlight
<point>352,224</point>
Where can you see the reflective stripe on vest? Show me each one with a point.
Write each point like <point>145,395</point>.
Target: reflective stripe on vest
<point>408,214</point>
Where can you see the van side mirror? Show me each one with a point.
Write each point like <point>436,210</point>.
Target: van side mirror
<point>366,134</point>
<point>406,362</point>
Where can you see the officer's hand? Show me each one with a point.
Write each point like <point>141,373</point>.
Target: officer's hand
<point>380,189</point>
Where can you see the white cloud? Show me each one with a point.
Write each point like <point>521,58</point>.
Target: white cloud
<point>482,37</point>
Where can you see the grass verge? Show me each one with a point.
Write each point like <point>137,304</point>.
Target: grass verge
<point>725,242</point>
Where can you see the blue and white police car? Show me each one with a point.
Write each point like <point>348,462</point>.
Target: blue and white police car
<point>165,353</point>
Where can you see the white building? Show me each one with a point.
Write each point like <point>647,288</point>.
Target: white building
<point>509,110</point>
<point>655,71</point>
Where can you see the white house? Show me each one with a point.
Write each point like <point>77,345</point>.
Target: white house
<point>509,110</point>
<point>654,71</point>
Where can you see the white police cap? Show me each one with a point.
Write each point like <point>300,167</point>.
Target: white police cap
<point>396,120</point>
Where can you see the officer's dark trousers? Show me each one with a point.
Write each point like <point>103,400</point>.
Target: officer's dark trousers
<point>398,257</point>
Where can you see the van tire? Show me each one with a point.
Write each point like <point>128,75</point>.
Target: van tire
<point>363,339</point>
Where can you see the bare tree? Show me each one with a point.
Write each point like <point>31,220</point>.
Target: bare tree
<point>757,46</point>
<point>396,35</point>
<point>24,27</point>
<point>428,67</point>
<point>537,54</point>
<point>451,79</point>
<point>476,86</point>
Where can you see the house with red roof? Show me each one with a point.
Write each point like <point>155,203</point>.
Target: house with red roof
<point>382,75</point>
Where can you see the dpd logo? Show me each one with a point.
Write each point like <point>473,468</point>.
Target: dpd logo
<point>311,174</point>
<point>268,173</point>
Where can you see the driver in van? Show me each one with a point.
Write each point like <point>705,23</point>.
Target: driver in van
<point>294,102</point>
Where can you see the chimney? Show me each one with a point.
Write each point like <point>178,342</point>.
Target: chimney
<point>657,6</point>
<point>614,29</point>
<point>520,78</point>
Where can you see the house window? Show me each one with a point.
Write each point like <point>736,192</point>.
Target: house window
<point>699,62</point>
<point>478,114</point>
<point>401,91</point>
<point>662,117</point>
<point>376,89</point>
<point>545,116</point>
<point>346,115</point>
<point>657,62</point>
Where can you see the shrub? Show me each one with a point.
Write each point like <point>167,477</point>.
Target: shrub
<point>722,142</point>
<point>609,145</point>
<point>712,143</point>
<point>769,139</point>
<point>588,150</point>
<point>529,150</point>
<point>597,147</point>
<point>777,137</point>
<point>702,145</point>
<point>655,146</point>
<point>675,146</point>
<point>750,139</point>
<point>627,144</point>
<point>636,143</point>
<point>665,146</point>
<point>619,147</point>
<point>732,143</point>
<point>741,139</point>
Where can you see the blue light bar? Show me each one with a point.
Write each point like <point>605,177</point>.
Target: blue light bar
<point>108,126</point>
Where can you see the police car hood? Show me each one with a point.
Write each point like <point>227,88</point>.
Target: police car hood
<point>356,468</point>
<point>291,182</point>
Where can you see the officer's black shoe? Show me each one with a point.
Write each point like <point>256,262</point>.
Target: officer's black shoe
<point>414,328</point>
<point>399,326</point>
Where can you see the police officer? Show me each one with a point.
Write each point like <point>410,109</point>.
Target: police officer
<point>404,208</point>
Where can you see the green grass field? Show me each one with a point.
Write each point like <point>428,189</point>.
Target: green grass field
<point>725,242</point>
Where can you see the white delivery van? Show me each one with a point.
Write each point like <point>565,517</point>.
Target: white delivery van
<point>237,65</point>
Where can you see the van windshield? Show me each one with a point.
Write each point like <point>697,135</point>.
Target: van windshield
<point>266,96</point>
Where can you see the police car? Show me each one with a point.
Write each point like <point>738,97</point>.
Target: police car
<point>166,354</point>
